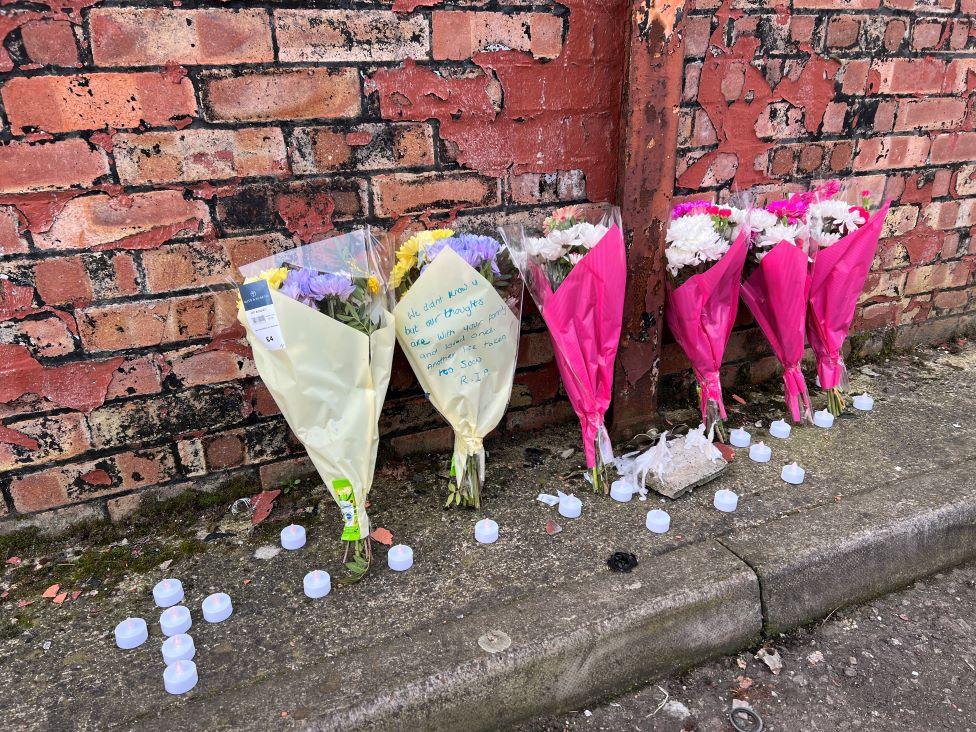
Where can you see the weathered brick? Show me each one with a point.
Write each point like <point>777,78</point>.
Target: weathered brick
<point>300,206</point>
<point>966,180</point>
<point>958,75</point>
<point>91,479</point>
<point>11,239</point>
<point>135,376</point>
<point>58,437</point>
<point>155,36</point>
<point>47,337</point>
<point>196,367</point>
<point>843,31</point>
<point>930,114</point>
<point>138,220</point>
<point>350,35</point>
<point>198,154</point>
<point>926,35</point>
<point>313,93</point>
<point>50,42</point>
<point>149,323</point>
<point>186,265</point>
<point>243,250</point>
<point>951,300</point>
<point>401,193</point>
<point>894,34</point>
<point>911,75</point>
<point>954,147</point>
<point>274,475</point>
<point>938,276</point>
<point>46,166</point>
<point>123,507</point>
<point>891,152</point>
<point>62,280</point>
<point>94,101</point>
<point>362,147</point>
<point>538,188</point>
<point>837,4</point>
<point>696,30</point>
<point>459,35</point>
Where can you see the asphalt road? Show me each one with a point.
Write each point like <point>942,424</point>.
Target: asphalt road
<point>905,662</point>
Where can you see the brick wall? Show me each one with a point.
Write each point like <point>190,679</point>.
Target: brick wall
<point>148,149</point>
<point>877,91</point>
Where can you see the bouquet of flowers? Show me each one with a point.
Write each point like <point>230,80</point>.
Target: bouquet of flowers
<point>776,290</point>
<point>318,321</point>
<point>844,239</point>
<point>458,321</point>
<point>706,250</point>
<point>577,273</point>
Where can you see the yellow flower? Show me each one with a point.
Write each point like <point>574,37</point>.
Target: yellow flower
<point>400,270</point>
<point>406,255</point>
<point>373,285</point>
<point>275,277</point>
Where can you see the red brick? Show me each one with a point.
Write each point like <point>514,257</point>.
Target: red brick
<point>843,31</point>
<point>926,35</point>
<point>314,93</point>
<point>854,76</point>
<point>841,156</point>
<point>350,35</point>
<point>62,280</point>
<point>65,484</point>
<point>696,30</point>
<point>142,219</point>
<point>194,367</point>
<point>801,28</point>
<point>59,437</point>
<point>959,74</point>
<point>50,42</point>
<point>48,337</point>
<point>246,249</point>
<point>460,35</point>
<point>378,146</point>
<point>959,36</point>
<point>926,6</point>
<point>148,323</point>
<point>891,152</point>
<point>190,155</point>
<point>93,101</point>
<point>966,180</point>
<point>394,195</point>
<point>155,36</point>
<point>48,166</point>
<point>837,4</point>
<point>955,147</point>
<point>938,276</point>
<point>537,188</point>
<point>951,300</point>
<point>274,475</point>
<point>135,376</point>
<point>911,75</point>
<point>224,451</point>
<point>833,119</point>
<point>781,161</point>
<point>185,265</point>
<point>931,114</point>
<point>894,34</point>
<point>11,240</point>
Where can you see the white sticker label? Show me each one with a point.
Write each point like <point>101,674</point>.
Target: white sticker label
<point>261,315</point>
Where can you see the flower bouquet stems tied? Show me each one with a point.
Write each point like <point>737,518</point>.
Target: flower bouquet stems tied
<point>458,321</point>
<point>706,250</point>
<point>844,240</point>
<point>775,290</point>
<point>323,344</point>
<point>576,271</point>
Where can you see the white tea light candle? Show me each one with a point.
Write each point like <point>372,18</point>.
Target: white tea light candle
<point>178,648</point>
<point>317,583</point>
<point>400,558</point>
<point>740,438</point>
<point>823,419</point>
<point>486,531</point>
<point>293,537</point>
<point>131,633</point>
<point>793,474</point>
<point>180,676</point>
<point>658,521</point>
<point>621,491</point>
<point>780,429</point>
<point>168,592</point>
<point>760,453</point>
<point>725,500</point>
<point>175,620</point>
<point>864,402</point>
<point>570,506</point>
<point>217,607</point>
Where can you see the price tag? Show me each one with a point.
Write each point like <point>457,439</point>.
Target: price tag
<point>260,311</point>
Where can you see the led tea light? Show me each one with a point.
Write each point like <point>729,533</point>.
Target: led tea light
<point>621,491</point>
<point>760,453</point>
<point>217,607</point>
<point>486,531</point>
<point>131,633</point>
<point>658,521</point>
<point>570,506</point>
<point>317,583</point>
<point>725,500</point>
<point>178,648</point>
<point>780,429</point>
<point>823,419</point>
<point>175,620</point>
<point>793,474</point>
<point>863,402</point>
<point>168,592</point>
<point>293,537</point>
<point>740,438</point>
<point>400,558</point>
<point>180,676</point>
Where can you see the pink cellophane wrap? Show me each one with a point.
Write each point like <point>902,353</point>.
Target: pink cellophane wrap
<point>838,278</point>
<point>584,316</point>
<point>701,312</point>
<point>776,293</point>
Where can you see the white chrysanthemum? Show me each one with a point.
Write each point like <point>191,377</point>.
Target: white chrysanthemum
<point>692,240</point>
<point>575,258</point>
<point>825,239</point>
<point>752,220</point>
<point>547,248</point>
<point>583,235</point>
<point>837,216</point>
<point>776,233</point>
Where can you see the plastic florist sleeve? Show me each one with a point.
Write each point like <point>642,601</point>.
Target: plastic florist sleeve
<point>775,290</point>
<point>319,325</point>
<point>705,252</point>
<point>845,240</point>
<point>457,321</point>
<point>576,270</point>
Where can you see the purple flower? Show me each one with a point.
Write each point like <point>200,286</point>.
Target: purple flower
<point>473,249</point>
<point>309,287</point>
